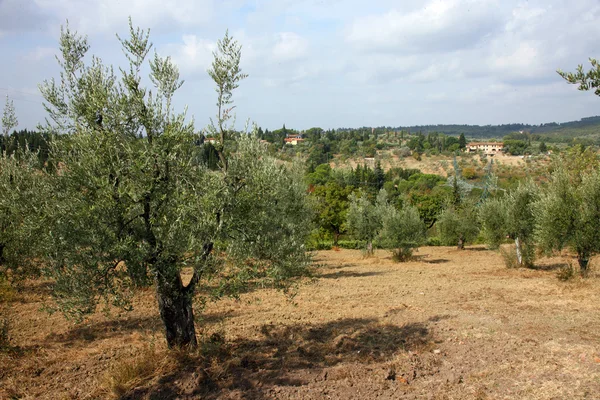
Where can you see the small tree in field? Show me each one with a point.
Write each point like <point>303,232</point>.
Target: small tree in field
<point>492,214</point>
<point>521,220</point>
<point>458,225</point>
<point>133,203</point>
<point>364,218</point>
<point>569,215</point>
<point>513,216</point>
<point>331,206</point>
<point>402,230</point>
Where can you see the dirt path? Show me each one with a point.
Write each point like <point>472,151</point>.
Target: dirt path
<point>452,325</point>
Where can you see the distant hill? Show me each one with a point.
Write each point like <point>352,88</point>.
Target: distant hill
<point>585,127</point>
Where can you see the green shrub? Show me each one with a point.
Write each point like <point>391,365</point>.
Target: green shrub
<point>350,244</point>
<point>434,241</point>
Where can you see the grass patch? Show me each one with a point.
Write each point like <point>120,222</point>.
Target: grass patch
<point>125,376</point>
<point>509,255</point>
<point>566,273</point>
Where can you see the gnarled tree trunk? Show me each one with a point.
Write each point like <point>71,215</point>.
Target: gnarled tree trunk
<point>461,244</point>
<point>583,264</point>
<point>176,312</point>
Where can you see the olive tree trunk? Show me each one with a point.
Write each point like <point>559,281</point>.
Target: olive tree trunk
<point>461,244</point>
<point>370,248</point>
<point>518,250</point>
<point>176,311</point>
<point>583,264</point>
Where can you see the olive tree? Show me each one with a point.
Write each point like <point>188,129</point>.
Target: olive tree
<point>364,218</point>
<point>492,215</point>
<point>458,225</point>
<point>569,215</point>
<point>521,220</point>
<point>22,186</point>
<point>512,216</point>
<point>402,230</point>
<point>133,204</point>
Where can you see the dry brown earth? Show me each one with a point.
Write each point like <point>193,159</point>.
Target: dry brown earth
<point>450,325</point>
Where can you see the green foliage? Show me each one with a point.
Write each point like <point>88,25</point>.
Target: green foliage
<point>9,118</point>
<point>462,141</point>
<point>458,225</point>
<point>23,188</point>
<point>568,213</point>
<point>331,206</point>
<point>226,73</point>
<point>23,141</point>
<point>585,79</point>
<point>515,147</point>
<point>350,244</point>
<point>521,221</point>
<point>402,230</point>
<point>492,214</point>
<point>134,202</point>
<point>320,176</point>
<point>364,219</point>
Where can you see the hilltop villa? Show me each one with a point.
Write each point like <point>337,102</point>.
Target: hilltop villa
<point>490,148</point>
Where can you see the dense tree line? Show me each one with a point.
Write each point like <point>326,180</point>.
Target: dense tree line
<point>22,140</point>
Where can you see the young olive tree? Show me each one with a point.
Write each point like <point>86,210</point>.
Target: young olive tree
<point>458,225</point>
<point>365,218</point>
<point>9,118</point>
<point>569,215</point>
<point>521,220</point>
<point>403,230</point>
<point>22,186</point>
<point>225,71</point>
<point>133,204</point>
<point>492,215</point>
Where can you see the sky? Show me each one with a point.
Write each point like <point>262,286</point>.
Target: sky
<point>331,63</point>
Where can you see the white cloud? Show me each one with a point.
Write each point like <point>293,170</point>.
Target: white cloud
<point>107,15</point>
<point>339,62</point>
<point>440,25</point>
<point>289,46</point>
<point>193,55</point>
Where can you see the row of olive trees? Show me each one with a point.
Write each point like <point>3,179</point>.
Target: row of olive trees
<point>131,203</point>
<point>564,213</point>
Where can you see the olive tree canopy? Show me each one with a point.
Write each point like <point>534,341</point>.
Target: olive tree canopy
<point>134,204</point>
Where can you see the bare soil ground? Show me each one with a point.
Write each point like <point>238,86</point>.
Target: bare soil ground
<point>450,325</point>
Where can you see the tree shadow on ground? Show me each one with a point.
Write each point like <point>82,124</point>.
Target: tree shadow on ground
<point>31,291</point>
<point>105,329</point>
<point>250,368</point>
<point>470,248</point>
<point>89,332</point>
<point>550,267</point>
<point>424,259</point>
<point>350,274</point>
<point>339,266</point>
